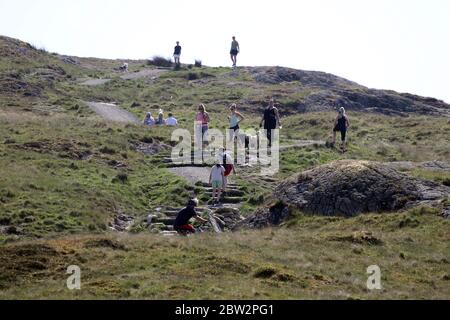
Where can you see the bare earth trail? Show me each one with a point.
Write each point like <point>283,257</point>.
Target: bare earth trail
<point>146,73</point>
<point>111,112</point>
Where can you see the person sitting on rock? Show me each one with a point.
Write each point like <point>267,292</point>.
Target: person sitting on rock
<point>181,224</point>
<point>149,120</point>
<point>171,121</point>
<point>341,124</point>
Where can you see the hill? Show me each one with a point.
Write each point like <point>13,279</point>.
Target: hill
<point>79,177</point>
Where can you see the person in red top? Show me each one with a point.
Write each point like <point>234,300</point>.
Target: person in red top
<point>228,164</point>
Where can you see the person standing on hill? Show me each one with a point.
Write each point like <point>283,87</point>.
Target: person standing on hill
<point>202,120</point>
<point>177,54</point>
<point>341,124</point>
<point>235,119</point>
<point>235,49</point>
<point>271,120</point>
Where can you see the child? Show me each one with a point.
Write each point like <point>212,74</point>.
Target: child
<point>216,179</point>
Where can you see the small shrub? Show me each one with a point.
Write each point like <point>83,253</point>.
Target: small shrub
<point>265,272</point>
<point>121,177</point>
<point>192,76</point>
<point>198,63</point>
<point>159,61</point>
<point>107,150</point>
<point>446,182</point>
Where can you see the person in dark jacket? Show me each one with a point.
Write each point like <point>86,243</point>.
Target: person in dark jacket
<point>341,124</point>
<point>181,224</point>
<point>270,120</point>
<point>177,53</point>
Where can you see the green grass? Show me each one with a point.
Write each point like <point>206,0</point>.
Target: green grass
<point>325,259</point>
<point>49,193</point>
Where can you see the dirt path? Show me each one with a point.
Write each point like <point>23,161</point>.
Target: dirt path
<point>146,73</point>
<point>111,112</point>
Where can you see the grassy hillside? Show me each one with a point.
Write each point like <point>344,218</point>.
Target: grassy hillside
<point>65,173</point>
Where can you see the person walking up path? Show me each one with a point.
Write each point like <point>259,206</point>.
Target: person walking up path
<point>270,120</point>
<point>217,181</point>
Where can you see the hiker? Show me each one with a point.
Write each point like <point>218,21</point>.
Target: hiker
<point>149,120</point>
<point>271,120</point>
<point>216,180</point>
<point>341,124</point>
<point>160,121</point>
<point>177,53</point>
<point>181,224</point>
<point>171,121</point>
<point>235,119</point>
<point>227,163</point>
<point>235,49</point>
<point>124,67</point>
<point>202,120</point>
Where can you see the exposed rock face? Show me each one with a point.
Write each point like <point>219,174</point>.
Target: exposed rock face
<point>328,91</point>
<point>348,188</point>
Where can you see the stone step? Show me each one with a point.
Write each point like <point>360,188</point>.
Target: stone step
<point>228,193</point>
<point>231,200</point>
<point>174,165</point>
<point>165,220</point>
<point>207,185</point>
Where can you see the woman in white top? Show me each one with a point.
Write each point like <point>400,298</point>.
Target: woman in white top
<point>235,119</point>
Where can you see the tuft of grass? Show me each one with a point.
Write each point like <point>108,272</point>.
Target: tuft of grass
<point>160,61</point>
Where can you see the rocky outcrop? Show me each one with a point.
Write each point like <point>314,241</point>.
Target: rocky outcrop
<point>327,91</point>
<point>348,188</point>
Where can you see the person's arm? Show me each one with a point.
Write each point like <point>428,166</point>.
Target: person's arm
<point>336,122</point>
<point>200,219</point>
<point>348,122</point>
<point>241,116</point>
<point>210,177</point>
<point>238,47</point>
<point>208,119</point>
<point>223,178</point>
<point>277,115</point>
<point>262,122</point>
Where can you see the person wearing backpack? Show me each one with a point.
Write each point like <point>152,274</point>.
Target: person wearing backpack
<point>271,120</point>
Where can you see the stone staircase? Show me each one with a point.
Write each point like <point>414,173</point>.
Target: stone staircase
<point>222,217</point>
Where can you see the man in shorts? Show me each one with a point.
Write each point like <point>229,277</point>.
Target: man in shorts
<point>216,179</point>
<point>235,49</point>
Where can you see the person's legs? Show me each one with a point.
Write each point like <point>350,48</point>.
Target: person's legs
<point>344,139</point>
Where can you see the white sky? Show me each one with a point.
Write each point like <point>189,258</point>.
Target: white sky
<point>402,45</point>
